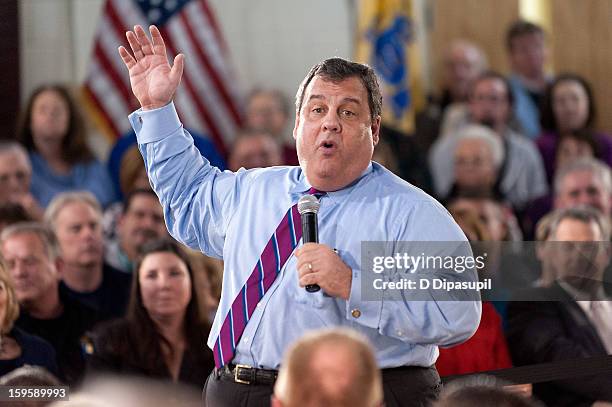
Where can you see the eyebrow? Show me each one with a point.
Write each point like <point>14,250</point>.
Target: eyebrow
<point>345,100</point>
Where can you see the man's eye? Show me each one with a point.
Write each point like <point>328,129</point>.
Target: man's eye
<point>317,110</point>
<point>348,113</point>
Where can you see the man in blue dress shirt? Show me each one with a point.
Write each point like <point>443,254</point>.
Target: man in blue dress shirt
<point>237,215</point>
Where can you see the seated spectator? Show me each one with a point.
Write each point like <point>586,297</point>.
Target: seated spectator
<point>142,221</point>
<point>487,348</point>
<point>53,131</point>
<point>485,392</point>
<point>75,219</point>
<point>544,253</point>
<point>162,335</point>
<point>462,62</point>
<point>499,220</point>
<point>32,258</point>
<point>269,111</point>
<point>18,348</point>
<point>478,157</point>
<point>15,179</point>
<point>208,275</point>
<point>254,149</point>
<point>12,213</point>
<point>527,52</point>
<point>584,182</point>
<point>132,176</point>
<point>572,318</point>
<point>569,112</point>
<point>521,177</point>
<point>117,157</point>
<point>573,147</point>
<point>333,367</point>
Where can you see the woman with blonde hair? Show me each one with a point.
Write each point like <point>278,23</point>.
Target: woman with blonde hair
<point>17,348</point>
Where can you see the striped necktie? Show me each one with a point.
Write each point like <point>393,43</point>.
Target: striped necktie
<point>271,261</point>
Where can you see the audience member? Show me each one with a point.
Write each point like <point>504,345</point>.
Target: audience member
<point>487,348</point>
<point>132,176</point>
<point>32,259</point>
<point>499,220</point>
<point>270,111</point>
<point>18,348</point>
<point>254,149</point>
<point>586,181</point>
<point>162,335</point>
<point>483,391</point>
<point>527,52</point>
<point>462,62</point>
<point>522,176</point>
<point>142,221</point>
<point>478,157</point>
<point>117,157</point>
<point>75,219</point>
<point>53,131</point>
<point>334,367</point>
<point>568,111</point>
<point>12,213</point>
<point>572,318</point>
<point>15,178</point>
<point>208,275</point>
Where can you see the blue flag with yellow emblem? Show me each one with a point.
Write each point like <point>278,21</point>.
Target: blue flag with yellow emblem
<point>386,42</point>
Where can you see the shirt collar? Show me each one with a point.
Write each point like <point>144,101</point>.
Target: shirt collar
<point>302,185</point>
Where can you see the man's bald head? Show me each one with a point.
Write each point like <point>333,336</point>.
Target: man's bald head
<point>329,368</point>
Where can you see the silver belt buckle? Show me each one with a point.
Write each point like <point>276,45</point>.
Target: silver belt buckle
<point>236,371</point>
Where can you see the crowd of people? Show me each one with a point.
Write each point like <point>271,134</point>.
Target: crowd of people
<point>91,282</point>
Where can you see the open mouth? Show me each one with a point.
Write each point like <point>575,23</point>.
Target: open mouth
<point>327,146</point>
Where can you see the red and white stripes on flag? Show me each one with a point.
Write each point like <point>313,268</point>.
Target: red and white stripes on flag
<point>206,99</point>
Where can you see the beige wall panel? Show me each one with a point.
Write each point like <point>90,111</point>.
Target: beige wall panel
<point>582,42</point>
<point>481,21</point>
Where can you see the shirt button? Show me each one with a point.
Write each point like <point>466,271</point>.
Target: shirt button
<point>356,313</point>
<point>258,304</point>
<point>140,119</point>
<point>245,339</point>
<point>400,333</point>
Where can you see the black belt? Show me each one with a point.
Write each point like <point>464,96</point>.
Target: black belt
<point>250,375</point>
<point>246,374</point>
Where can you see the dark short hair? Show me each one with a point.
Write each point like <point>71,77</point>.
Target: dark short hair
<point>338,69</point>
<point>487,75</point>
<point>520,28</point>
<point>74,146</point>
<point>129,198</point>
<point>547,119</point>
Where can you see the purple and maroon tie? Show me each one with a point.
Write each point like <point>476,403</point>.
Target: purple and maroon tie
<point>274,256</point>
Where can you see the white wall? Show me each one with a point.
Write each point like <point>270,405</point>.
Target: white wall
<point>272,42</point>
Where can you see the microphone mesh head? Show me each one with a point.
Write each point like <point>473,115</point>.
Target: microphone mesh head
<point>308,203</point>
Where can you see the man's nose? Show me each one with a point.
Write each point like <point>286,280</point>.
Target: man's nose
<point>331,122</point>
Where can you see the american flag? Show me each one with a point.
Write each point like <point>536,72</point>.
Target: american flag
<point>206,100</point>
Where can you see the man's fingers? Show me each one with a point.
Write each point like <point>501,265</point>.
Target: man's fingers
<point>128,60</point>
<point>133,41</point>
<point>308,279</point>
<point>177,69</point>
<point>159,47</point>
<point>145,43</point>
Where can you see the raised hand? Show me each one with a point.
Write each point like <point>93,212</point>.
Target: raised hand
<point>153,80</point>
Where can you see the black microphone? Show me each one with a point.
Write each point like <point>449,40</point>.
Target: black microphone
<point>308,207</point>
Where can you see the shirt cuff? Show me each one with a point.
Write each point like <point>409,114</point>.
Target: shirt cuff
<point>156,124</point>
<point>368,312</point>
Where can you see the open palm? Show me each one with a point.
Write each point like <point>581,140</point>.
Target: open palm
<point>152,79</point>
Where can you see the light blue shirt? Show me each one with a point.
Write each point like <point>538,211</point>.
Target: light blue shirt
<point>232,216</point>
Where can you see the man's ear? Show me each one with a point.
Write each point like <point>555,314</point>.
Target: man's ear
<point>59,267</point>
<point>376,130</point>
<point>297,124</point>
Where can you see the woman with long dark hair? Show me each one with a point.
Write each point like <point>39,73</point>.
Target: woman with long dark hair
<point>162,335</point>
<point>52,129</point>
<point>568,112</point>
